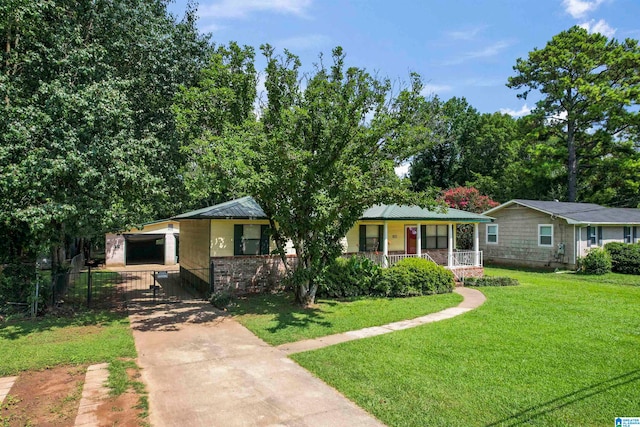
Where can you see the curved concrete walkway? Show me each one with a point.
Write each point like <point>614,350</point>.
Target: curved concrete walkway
<point>472,298</point>
<point>203,368</point>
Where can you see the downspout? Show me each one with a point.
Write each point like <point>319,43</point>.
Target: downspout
<point>576,243</point>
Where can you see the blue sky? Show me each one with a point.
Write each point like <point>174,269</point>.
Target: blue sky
<point>460,47</point>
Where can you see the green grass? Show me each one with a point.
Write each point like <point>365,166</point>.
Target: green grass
<point>276,319</point>
<point>89,337</point>
<point>558,350</point>
<point>120,381</point>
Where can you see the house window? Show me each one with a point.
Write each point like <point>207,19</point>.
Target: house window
<point>592,239</point>
<point>251,239</point>
<point>434,236</point>
<point>492,233</point>
<point>370,238</point>
<point>626,234</point>
<point>545,235</point>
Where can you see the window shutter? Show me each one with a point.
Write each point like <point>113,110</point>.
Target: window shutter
<point>237,239</point>
<point>599,236</point>
<point>380,237</point>
<point>423,237</point>
<point>363,239</point>
<point>588,235</point>
<point>264,240</point>
<point>635,234</point>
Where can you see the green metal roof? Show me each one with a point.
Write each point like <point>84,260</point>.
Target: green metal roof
<point>248,208</point>
<point>403,212</point>
<point>242,208</point>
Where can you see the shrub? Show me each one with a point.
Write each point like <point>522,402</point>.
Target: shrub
<point>491,281</point>
<point>415,276</point>
<point>597,261</point>
<point>625,257</point>
<point>349,277</point>
<point>220,299</point>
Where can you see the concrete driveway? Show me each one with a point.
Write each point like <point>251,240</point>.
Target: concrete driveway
<point>205,369</point>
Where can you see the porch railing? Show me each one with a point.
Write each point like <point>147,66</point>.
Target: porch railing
<point>458,258</point>
<point>466,259</point>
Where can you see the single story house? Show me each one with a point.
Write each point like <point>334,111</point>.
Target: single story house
<point>155,242</point>
<point>553,234</point>
<point>228,245</point>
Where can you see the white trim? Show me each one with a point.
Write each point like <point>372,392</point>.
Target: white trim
<point>539,235</point>
<point>497,233</point>
<point>385,244</point>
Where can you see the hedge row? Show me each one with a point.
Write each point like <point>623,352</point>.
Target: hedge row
<point>491,281</point>
<point>359,276</point>
<point>625,257</point>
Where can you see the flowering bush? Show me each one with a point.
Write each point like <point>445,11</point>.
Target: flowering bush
<point>467,199</point>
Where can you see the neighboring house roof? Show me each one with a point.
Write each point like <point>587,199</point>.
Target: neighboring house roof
<point>248,208</point>
<point>578,213</point>
<point>403,212</point>
<point>242,208</point>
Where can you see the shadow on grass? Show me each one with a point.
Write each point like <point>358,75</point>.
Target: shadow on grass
<point>19,328</point>
<point>284,309</point>
<point>536,411</point>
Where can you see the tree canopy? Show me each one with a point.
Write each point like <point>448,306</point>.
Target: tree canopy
<point>315,156</point>
<point>88,138</point>
<point>589,85</point>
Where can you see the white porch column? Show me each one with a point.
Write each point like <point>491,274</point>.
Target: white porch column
<point>450,247</point>
<point>419,242</point>
<point>385,245</point>
<point>476,245</point>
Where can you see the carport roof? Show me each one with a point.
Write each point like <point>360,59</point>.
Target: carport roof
<point>242,208</point>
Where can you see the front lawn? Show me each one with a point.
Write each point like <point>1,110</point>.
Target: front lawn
<point>275,318</point>
<point>90,337</point>
<point>559,350</point>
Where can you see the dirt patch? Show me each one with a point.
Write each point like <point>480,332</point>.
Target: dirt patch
<point>44,398</point>
<point>120,411</point>
<point>51,398</point>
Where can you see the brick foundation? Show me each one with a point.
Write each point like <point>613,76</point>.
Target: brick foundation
<point>248,274</point>
<point>468,271</point>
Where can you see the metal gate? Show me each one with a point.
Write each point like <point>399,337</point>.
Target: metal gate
<point>97,288</point>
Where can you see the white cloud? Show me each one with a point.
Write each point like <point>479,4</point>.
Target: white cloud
<point>430,89</point>
<point>469,34</point>
<point>483,82</point>
<point>599,27</point>
<point>525,110</point>
<point>242,8</point>
<point>486,52</point>
<point>580,8</point>
<point>308,42</point>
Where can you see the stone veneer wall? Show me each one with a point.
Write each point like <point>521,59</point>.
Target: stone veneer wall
<point>247,274</point>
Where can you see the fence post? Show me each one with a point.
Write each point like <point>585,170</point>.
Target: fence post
<point>89,285</point>
<point>211,277</point>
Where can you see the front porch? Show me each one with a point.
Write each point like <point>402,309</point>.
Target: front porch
<point>425,240</point>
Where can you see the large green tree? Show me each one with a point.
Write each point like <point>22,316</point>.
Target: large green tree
<point>589,85</point>
<point>88,142</point>
<point>315,156</point>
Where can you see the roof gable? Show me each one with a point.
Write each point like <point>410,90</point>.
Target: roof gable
<point>242,208</point>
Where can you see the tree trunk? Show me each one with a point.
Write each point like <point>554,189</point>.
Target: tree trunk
<point>572,163</point>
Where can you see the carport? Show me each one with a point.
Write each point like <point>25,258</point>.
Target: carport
<point>153,243</point>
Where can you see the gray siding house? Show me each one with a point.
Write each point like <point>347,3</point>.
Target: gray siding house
<point>553,234</point>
